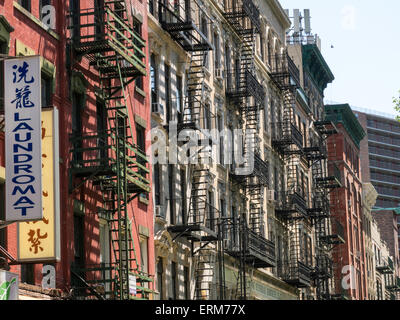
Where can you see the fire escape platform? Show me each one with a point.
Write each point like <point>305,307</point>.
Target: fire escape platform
<point>116,37</point>
<point>246,9</point>
<point>301,276</point>
<point>183,29</point>
<point>195,232</point>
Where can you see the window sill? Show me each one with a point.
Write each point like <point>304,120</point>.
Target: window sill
<point>36,20</point>
<point>140,92</point>
<point>143,200</point>
<point>221,166</point>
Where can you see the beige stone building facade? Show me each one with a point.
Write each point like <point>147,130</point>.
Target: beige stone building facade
<point>225,229</point>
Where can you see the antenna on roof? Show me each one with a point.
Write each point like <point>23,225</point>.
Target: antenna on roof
<point>296,20</point>
<point>307,21</point>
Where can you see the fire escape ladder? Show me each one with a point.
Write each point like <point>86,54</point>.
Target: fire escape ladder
<point>186,21</point>
<point>204,271</point>
<point>109,158</point>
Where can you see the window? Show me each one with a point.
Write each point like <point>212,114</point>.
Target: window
<point>77,107</point>
<point>167,72</point>
<point>2,214</point>
<point>47,91</point>
<point>221,139</point>
<point>137,28</point>
<point>28,273</point>
<point>79,236</point>
<point>217,56</point>
<point>186,276</point>
<point>228,67</point>
<point>144,254</point>
<point>183,194</point>
<point>141,138</point>
<point>160,278</point>
<point>157,184</point>
<point>104,243</point>
<point>99,19</point>
<point>171,193</point>
<point>153,79</point>
<point>3,50</point>
<point>269,51</point>
<point>139,83</point>
<point>74,8</point>
<point>207,117</point>
<point>262,47</point>
<point>204,30</point>
<point>152,8</point>
<point>222,207</point>
<point>211,216</point>
<point>101,123</point>
<point>174,280</point>
<point>266,114</point>
<point>141,145</point>
<point>179,98</point>
<point>26,4</point>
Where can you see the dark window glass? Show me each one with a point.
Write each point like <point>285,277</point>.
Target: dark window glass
<point>26,4</point>
<point>28,273</point>
<point>174,280</point>
<point>79,240</point>
<point>47,91</point>
<point>157,190</point>
<point>2,214</point>
<point>74,8</point>
<point>160,278</point>
<point>187,282</point>
<point>77,107</point>
<point>167,72</point>
<point>179,98</point>
<point>171,193</point>
<point>153,79</point>
<point>183,194</point>
<point>139,83</point>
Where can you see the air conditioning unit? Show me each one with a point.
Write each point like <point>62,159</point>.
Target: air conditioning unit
<point>157,109</point>
<point>159,211</point>
<point>219,74</point>
<point>272,196</point>
<point>226,243</point>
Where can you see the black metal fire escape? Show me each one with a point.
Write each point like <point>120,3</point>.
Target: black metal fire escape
<point>292,202</point>
<point>186,23</point>
<point>108,158</point>
<point>245,237</point>
<point>328,232</point>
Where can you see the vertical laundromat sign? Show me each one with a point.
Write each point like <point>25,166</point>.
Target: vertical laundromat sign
<point>39,241</point>
<point>22,94</point>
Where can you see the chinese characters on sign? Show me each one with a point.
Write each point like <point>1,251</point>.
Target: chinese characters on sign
<point>40,240</point>
<point>22,83</point>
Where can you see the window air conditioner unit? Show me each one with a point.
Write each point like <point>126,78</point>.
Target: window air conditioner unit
<point>157,109</point>
<point>226,243</point>
<point>219,74</point>
<point>159,211</point>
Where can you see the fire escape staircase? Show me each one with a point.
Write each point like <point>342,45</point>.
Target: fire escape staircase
<point>183,23</point>
<point>110,159</point>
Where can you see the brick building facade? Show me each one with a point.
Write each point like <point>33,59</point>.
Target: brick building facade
<point>346,202</point>
<point>99,85</point>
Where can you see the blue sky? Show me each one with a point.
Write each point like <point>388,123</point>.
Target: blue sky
<point>365,58</point>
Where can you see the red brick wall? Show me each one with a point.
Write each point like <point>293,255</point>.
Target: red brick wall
<point>54,50</point>
<point>364,152</point>
<point>346,208</point>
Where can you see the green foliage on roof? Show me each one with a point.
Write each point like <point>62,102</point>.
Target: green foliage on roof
<point>342,113</point>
